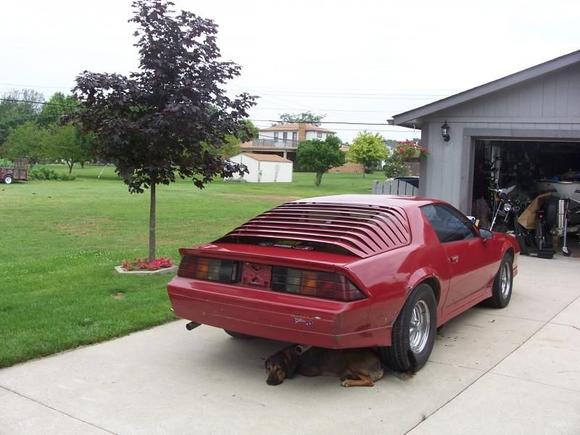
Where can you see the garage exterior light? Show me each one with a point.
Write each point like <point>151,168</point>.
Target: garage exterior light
<point>445,131</point>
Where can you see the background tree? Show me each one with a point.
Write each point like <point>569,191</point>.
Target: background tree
<point>231,147</point>
<point>320,155</point>
<point>164,119</point>
<point>367,149</point>
<point>304,117</point>
<point>249,132</point>
<point>16,108</point>
<point>67,143</point>
<point>26,140</point>
<point>57,109</point>
<point>65,139</point>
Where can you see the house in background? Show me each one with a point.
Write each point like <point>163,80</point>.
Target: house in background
<point>264,168</point>
<point>283,139</point>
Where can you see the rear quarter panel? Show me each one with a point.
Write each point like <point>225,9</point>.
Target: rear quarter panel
<point>390,277</point>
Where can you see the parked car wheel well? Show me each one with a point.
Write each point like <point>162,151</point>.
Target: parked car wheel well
<point>434,284</point>
<point>510,252</point>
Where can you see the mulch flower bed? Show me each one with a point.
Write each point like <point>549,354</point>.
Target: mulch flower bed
<point>161,264</point>
<point>141,264</point>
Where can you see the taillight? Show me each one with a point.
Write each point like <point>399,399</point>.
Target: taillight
<point>208,269</point>
<point>312,283</point>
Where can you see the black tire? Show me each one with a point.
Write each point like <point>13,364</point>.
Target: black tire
<point>238,334</point>
<point>500,295</point>
<point>400,356</point>
<point>540,239</point>
<point>8,179</point>
<point>521,237</point>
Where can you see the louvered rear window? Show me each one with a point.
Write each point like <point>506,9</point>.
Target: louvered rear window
<point>358,229</point>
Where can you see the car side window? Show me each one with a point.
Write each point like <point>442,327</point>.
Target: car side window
<point>448,224</point>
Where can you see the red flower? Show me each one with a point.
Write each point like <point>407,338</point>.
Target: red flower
<point>140,264</point>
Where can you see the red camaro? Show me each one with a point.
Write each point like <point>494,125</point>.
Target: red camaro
<point>347,271</point>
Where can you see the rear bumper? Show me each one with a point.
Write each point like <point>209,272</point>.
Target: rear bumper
<point>277,316</point>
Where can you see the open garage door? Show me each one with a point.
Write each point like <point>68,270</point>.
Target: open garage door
<point>534,167</point>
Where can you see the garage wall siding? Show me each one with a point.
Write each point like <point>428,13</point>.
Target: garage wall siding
<point>552,97</point>
<point>544,108</point>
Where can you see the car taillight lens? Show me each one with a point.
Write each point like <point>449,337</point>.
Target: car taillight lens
<point>312,283</point>
<point>208,269</point>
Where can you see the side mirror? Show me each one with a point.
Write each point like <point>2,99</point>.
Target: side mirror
<point>485,234</point>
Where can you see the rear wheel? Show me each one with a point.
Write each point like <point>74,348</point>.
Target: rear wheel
<point>8,179</point>
<point>413,333</point>
<point>238,334</point>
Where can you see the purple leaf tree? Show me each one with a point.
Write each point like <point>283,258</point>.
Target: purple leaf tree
<point>171,116</point>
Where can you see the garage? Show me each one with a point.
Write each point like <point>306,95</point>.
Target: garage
<point>264,168</point>
<point>521,130</point>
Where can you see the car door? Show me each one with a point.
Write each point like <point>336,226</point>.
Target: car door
<point>465,252</point>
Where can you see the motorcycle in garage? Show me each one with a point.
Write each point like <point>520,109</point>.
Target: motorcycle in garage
<point>532,224</point>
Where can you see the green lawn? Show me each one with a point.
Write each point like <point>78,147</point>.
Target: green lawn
<point>59,242</point>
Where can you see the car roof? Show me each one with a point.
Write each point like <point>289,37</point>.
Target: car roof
<point>403,202</point>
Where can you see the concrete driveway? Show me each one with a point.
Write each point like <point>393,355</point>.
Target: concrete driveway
<point>513,371</point>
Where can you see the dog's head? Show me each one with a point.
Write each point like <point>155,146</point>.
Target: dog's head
<point>281,365</point>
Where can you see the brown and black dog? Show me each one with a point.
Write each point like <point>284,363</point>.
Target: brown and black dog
<point>356,368</point>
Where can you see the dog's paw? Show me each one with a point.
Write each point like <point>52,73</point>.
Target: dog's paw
<point>404,376</point>
<point>349,382</point>
<point>346,383</point>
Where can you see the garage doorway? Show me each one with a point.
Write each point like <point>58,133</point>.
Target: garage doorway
<point>527,164</point>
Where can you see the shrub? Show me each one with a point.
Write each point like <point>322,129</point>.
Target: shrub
<point>42,173</point>
<point>5,163</point>
<point>394,166</point>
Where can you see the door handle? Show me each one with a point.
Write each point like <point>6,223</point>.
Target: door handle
<point>454,259</point>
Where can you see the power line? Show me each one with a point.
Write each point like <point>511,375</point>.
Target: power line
<point>321,110</point>
<point>44,103</point>
<point>33,86</point>
<point>296,92</point>
<point>372,130</point>
<point>369,92</point>
<point>356,97</point>
<point>326,122</point>
<point>381,124</point>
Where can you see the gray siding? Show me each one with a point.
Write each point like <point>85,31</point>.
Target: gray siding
<point>554,97</point>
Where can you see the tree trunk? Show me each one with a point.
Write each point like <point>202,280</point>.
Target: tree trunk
<point>318,178</point>
<point>152,220</point>
<point>70,165</point>
<point>82,164</point>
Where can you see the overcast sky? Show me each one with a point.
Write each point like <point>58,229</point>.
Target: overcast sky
<point>357,61</point>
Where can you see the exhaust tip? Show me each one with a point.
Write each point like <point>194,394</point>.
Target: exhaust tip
<point>192,325</point>
<point>301,348</point>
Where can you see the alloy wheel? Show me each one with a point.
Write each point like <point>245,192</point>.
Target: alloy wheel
<point>419,326</point>
<point>505,281</point>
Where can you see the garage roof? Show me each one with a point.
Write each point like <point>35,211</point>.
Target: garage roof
<point>413,118</point>
<point>267,157</point>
